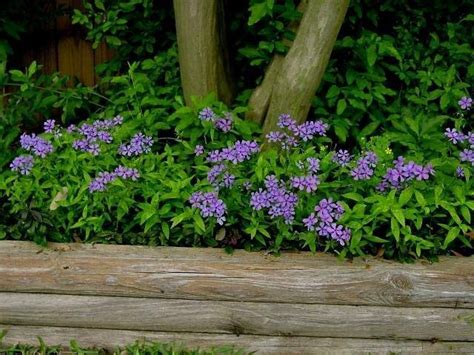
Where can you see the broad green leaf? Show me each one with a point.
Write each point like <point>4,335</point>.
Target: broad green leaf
<point>405,196</point>
<point>399,216</point>
<point>452,234</point>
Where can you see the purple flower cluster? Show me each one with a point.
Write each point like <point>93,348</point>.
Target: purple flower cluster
<point>199,150</point>
<point>403,172</point>
<point>308,183</point>
<point>219,177</point>
<point>324,219</point>
<point>209,205</point>
<point>94,133</point>
<point>465,103</point>
<point>223,124</point>
<point>467,154</point>
<point>23,164</point>
<point>342,158</point>
<point>276,198</point>
<point>138,145</point>
<point>49,126</point>
<point>364,168</point>
<point>312,165</point>
<point>100,182</point>
<point>207,114</point>
<point>294,132</point>
<point>239,152</point>
<point>454,136</point>
<point>37,145</point>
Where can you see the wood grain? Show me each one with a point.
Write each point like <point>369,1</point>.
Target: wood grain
<point>236,317</point>
<point>210,274</point>
<point>110,339</point>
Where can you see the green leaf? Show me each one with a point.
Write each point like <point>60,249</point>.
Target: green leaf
<point>452,234</point>
<point>257,12</point>
<point>353,196</point>
<point>199,222</point>
<point>420,199</point>
<point>405,196</point>
<point>341,106</point>
<point>395,229</point>
<point>399,216</point>
<point>371,55</point>
<point>466,214</point>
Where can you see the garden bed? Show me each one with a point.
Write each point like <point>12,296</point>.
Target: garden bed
<point>104,295</point>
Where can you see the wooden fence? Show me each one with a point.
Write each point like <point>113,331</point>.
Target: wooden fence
<point>299,303</point>
<point>62,47</point>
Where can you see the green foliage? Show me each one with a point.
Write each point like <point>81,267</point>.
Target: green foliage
<point>137,348</point>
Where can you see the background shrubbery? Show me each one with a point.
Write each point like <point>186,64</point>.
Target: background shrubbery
<point>396,73</point>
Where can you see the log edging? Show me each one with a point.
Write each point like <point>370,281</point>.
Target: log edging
<point>161,292</point>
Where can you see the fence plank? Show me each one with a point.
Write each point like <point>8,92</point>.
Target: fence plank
<point>210,274</point>
<point>236,317</point>
<point>110,339</point>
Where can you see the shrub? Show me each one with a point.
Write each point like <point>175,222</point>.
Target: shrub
<point>216,183</point>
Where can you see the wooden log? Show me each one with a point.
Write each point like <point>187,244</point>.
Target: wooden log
<point>236,317</point>
<point>110,339</point>
<point>210,274</point>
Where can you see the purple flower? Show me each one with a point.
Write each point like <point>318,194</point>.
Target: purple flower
<point>101,181</point>
<point>342,158</point>
<point>310,222</point>
<point>275,136</point>
<point>364,168</point>
<point>404,172</point>
<point>313,165</point>
<point>39,146</point>
<point>470,139</point>
<point>279,201</point>
<point>239,152</point>
<point>467,155</point>
<point>228,180</point>
<point>207,114</point>
<point>247,185</point>
<point>308,183</point>
<point>71,128</point>
<point>308,130</point>
<point>199,150</point>
<point>286,121</point>
<point>214,173</point>
<point>23,164</point>
<point>138,145</point>
<point>49,126</point>
<point>117,120</point>
<point>104,137</point>
<point>460,171</point>
<point>465,103</point>
<point>224,124</point>
<point>329,211</point>
<point>127,173</point>
<point>209,205</point>
<point>454,136</point>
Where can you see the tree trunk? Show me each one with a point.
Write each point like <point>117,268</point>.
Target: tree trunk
<point>303,67</point>
<point>202,56</point>
<point>260,99</point>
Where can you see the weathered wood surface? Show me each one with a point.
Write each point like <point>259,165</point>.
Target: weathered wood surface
<point>210,274</point>
<point>236,317</point>
<point>110,339</point>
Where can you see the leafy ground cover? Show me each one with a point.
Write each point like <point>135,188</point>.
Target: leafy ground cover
<point>383,166</point>
<point>137,348</point>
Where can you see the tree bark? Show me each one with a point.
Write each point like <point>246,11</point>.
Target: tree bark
<point>260,99</point>
<point>202,56</point>
<point>303,67</point>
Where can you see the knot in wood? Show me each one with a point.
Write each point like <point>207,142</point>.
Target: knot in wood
<point>401,282</point>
